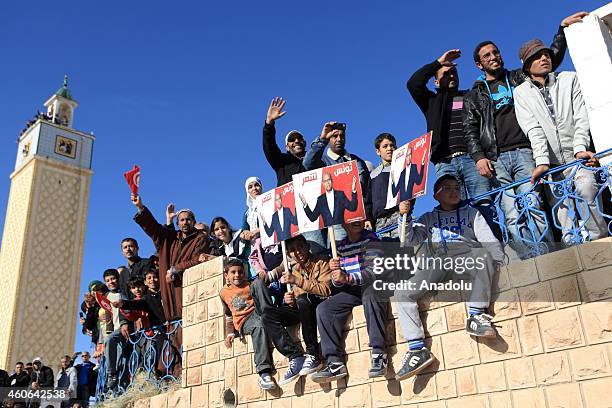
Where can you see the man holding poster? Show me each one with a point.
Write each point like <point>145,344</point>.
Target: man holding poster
<point>409,179</point>
<point>337,198</point>
<point>278,219</point>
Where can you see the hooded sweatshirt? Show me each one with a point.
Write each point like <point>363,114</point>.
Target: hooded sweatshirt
<point>453,233</point>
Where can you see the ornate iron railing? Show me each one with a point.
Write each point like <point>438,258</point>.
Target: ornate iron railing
<point>566,218</point>
<point>155,352</point>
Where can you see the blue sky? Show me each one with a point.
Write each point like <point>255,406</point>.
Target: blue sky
<point>182,88</point>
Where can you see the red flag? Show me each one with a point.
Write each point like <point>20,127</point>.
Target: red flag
<point>103,301</point>
<point>105,304</point>
<point>133,179</point>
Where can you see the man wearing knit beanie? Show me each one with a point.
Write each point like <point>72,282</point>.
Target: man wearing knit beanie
<point>551,112</point>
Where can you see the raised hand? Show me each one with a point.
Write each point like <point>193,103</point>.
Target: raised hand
<point>354,185</point>
<point>275,110</point>
<point>137,201</point>
<point>170,214</point>
<point>327,130</point>
<point>303,199</point>
<point>574,18</point>
<point>448,57</point>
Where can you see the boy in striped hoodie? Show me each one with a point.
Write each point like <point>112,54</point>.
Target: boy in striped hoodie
<point>350,272</point>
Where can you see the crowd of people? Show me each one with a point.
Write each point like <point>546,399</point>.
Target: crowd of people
<point>509,126</point>
<point>79,381</point>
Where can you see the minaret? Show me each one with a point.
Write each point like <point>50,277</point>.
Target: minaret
<point>44,231</point>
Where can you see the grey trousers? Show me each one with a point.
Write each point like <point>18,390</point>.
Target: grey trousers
<point>254,327</point>
<point>479,296</point>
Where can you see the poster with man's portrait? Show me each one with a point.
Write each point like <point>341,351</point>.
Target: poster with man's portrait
<point>328,196</point>
<point>276,212</point>
<point>408,174</point>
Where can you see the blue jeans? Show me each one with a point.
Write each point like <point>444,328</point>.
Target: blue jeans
<point>464,169</point>
<point>526,223</point>
<point>113,343</point>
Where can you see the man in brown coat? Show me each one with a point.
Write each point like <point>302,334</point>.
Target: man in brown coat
<point>178,251</point>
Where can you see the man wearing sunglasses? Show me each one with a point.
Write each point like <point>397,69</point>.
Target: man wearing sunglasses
<point>495,141</point>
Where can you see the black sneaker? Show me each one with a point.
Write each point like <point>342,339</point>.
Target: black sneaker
<point>480,326</point>
<point>379,366</point>
<point>413,363</point>
<point>332,372</point>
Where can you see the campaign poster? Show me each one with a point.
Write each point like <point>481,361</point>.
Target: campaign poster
<point>408,173</point>
<point>328,196</point>
<point>276,212</point>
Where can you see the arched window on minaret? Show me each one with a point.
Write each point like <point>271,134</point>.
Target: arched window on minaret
<point>61,105</point>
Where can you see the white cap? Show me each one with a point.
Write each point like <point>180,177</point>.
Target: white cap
<point>292,132</point>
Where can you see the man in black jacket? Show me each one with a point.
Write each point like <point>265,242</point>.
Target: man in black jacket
<point>443,114</point>
<point>20,378</point>
<point>496,143</point>
<point>284,164</point>
<point>42,376</point>
<point>136,266</point>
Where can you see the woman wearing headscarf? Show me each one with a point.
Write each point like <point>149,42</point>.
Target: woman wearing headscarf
<point>250,223</point>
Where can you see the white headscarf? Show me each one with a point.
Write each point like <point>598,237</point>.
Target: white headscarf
<point>250,202</point>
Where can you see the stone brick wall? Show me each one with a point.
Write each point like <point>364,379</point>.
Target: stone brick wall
<point>553,315</point>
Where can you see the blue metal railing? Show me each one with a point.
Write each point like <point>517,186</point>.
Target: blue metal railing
<point>570,212</point>
<point>154,353</point>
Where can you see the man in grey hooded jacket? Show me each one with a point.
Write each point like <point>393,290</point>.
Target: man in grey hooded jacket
<point>551,112</point>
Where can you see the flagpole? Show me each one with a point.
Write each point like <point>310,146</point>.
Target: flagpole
<point>402,230</point>
<point>286,263</point>
<point>332,241</point>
